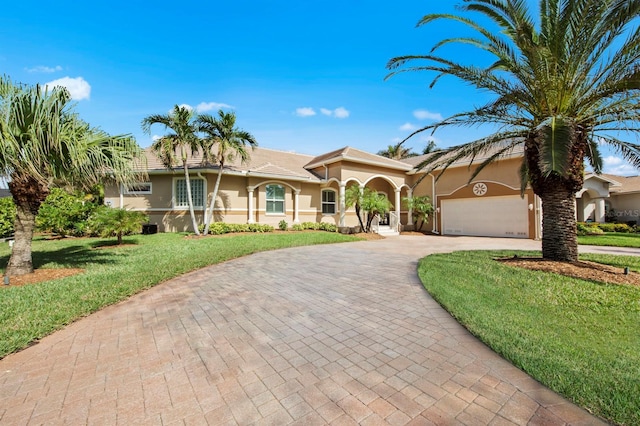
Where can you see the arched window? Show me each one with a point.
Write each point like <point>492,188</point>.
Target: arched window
<point>328,201</point>
<point>275,199</point>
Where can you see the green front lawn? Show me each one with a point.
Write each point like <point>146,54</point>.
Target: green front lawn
<point>614,239</point>
<point>580,338</point>
<point>113,274</point>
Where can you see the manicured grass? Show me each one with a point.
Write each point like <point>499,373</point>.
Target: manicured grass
<point>580,338</point>
<point>113,274</point>
<point>614,239</point>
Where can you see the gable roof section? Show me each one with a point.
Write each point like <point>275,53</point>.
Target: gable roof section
<point>357,156</point>
<point>625,184</point>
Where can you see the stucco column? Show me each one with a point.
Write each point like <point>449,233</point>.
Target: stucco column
<point>342,203</point>
<point>250,190</point>
<point>296,207</point>
<point>599,210</point>
<point>397,191</point>
<point>409,211</point>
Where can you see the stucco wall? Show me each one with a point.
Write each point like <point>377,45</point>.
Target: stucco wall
<point>626,207</point>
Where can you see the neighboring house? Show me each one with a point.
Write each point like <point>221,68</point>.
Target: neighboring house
<point>277,185</point>
<point>609,196</point>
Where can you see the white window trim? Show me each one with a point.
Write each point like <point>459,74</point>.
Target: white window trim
<point>334,203</point>
<point>284,201</point>
<point>127,191</point>
<point>173,193</point>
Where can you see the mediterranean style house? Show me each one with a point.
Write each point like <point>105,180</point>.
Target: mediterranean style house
<point>277,185</point>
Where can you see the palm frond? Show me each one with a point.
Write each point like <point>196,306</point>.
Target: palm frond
<point>555,138</point>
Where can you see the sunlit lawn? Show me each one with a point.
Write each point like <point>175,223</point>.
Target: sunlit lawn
<point>580,338</point>
<point>615,239</point>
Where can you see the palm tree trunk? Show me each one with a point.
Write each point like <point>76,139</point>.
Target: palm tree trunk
<point>209,215</point>
<point>559,240</point>
<point>360,218</point>
<point>20,262</point>
<point>190,198</point>
<point>28,194</point>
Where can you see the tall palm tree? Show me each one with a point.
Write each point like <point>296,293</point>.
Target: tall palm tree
<point>177,146</point>
<point>43,144</point>
<point>223,142</point>
<point>564,82</point>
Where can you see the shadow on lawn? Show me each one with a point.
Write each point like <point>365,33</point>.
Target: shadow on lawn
<point>77,256</point>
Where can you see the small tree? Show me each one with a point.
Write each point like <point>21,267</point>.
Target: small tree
<point>108,222</point>
<point>353,197</point>
<point>421,208</point>
<point>374,203</point>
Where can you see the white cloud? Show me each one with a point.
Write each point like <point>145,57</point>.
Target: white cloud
<point>423,114</point>
<point>156,137</point>
<point>340,112</point>
<point>77,87</point>
<point>305,112</point>
<point>407,127</point>
<point>44,69</point>
<point>208,106</point>
<point>617,166</point>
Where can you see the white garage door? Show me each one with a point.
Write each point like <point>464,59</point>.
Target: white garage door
<point>506,216</point>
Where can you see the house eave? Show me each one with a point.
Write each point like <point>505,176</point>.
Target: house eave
<point>399,166</point>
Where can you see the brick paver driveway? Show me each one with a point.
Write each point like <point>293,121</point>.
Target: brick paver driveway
<point>339,334</point>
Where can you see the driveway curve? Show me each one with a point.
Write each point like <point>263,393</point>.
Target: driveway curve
<point>337,334</point>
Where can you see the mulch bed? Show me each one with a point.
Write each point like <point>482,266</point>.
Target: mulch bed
<point>40,275</point>
<point>581,269</point>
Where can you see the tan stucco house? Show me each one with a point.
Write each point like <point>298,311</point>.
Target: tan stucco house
<point>278,185</point>
<point>616,197</point>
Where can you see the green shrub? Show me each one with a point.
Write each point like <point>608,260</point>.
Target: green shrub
<point>297,227</point>
<point>217,228</point>
<point>7,216</point>
<point>589,228</point>
<point>65,214</point>
<point>257,227</point>
<point>615,227</point>
<point>283,225</point>
<point>329,227</point>
<point>311,225</point>
<point>110,222</point>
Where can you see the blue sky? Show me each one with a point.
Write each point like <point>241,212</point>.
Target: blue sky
<point>304,76</point>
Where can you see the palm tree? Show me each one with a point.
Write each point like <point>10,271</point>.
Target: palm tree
<point>396,152</point>
<point>353,197</point>
<point>223,142</point>
<point>183,139</point>
<point>43,144</point>
<point>563,83</point>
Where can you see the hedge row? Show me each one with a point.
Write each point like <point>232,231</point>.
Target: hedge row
<point>218,228</point>
<point>592,228</point>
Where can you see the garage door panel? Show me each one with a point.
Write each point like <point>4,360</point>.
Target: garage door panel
<point>506,216</point>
